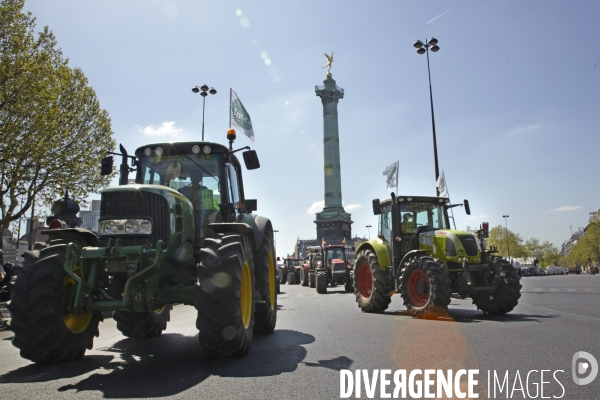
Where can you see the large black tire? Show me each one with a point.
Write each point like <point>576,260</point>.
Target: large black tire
<point>303,277</point>
<point>265,314</point>
<point>225,296</point>
<point>348,285</point>
<point>312,279</point>
<point>321,282</point>
<point>370,283</point>
<point>506,296</point>
<point>44,330</point>
<point>291,278</point>
<point>143,325</point>
<point>425,286</point>
<point>283,277</point>
<point>19,294</point>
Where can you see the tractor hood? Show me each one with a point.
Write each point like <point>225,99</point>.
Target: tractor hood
<point>451,247</point>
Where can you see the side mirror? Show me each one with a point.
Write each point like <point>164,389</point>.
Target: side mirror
<point>250,205</point>
<point>278,258</point>
<point>251,159</point>
<point>376,207</point>
<point>467,208</point>
<point>107,166</point>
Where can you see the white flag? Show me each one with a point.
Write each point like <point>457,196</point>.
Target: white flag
<point>239,117</point>
<point>441,185</point>
<point>391,176</point>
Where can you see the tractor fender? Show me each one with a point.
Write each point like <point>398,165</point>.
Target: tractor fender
<point>260,226</point>
<point>382,249</point>
<point>236,227</point>
<point>85,235</point>
<point>413,253</point>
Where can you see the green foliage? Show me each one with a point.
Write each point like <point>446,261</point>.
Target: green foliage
<point>546,253</point>
<point>587,248</point>
<point>511,243</point>
<point>53,131</point>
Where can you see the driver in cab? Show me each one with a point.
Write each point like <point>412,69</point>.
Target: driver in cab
<point>408,225</point>
<point>202,199</point>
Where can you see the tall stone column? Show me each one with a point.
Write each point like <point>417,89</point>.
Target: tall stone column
<point>333,223</point>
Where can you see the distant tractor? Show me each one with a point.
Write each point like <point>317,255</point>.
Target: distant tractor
<point>290,271</point>
<point>310,265</point>
<point>333,269</point>
<point>184,233</point>
<point>418,255</point>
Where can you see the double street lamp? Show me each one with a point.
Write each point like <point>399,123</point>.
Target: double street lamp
<point>506,226</point>
<point>423,48</point>
<point>369,231</point>
<point>203,90</point>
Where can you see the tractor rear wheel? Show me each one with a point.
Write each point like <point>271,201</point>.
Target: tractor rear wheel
<point>291,278</point>
<point>321,282</point>
<point>225,296</point>
<point>424,286</point>
<point>45,329</point>
<point>370,283</point>
<point>312,280</point>
<point>143,325</point>
<point>265,314</point>
<point>506,297</point>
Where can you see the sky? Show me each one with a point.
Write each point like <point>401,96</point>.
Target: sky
<point>515,85</point>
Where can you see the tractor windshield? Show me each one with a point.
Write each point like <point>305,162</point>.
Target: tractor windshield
<point>292,263</point>
<point>415,215</point>
<point>184,173</point>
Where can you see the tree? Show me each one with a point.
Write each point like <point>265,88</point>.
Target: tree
<point>587,247</point>
<point>53,131</point>
<point>498,237</point>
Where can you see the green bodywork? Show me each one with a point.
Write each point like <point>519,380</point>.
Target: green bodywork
<point>151,275</point>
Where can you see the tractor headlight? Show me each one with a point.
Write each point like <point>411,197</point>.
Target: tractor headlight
<point>133,226</point>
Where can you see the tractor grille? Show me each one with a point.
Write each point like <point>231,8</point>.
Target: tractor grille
<point>469,243</point>
<point>138,204</point>
<point>338,267</point>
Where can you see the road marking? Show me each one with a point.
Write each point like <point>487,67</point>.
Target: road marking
<point>562,312</point>
<point>572,290</point>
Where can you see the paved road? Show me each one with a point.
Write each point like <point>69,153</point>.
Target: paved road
<point>318,335</point>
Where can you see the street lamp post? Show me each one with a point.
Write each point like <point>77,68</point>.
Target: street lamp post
<point>369,231</point>
<point>595,214</point>
<point>506,226</point>
<point>424,48</point>
<point>203,92</point>
<point>275,239</point>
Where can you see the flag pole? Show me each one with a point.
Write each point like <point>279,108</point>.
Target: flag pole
<point>230,92</point>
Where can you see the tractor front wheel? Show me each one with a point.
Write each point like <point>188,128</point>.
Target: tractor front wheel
<point>348,284</point>
<point>370,283</point>
<point>506,297</point>
<point>46,329</point>
<point>225,296</point>
<point>321,282</point>
<point>312,279</point>
<point>291,278</point>
<point>424,286</point>
<point>143,325</point>
<point>303,277</point>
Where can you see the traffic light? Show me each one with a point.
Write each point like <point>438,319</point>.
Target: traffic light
<point>485,229</point>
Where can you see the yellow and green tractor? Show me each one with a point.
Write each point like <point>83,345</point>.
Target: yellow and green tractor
<point>417,255</point>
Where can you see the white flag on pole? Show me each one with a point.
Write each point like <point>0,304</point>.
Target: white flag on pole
<point>239,117</point>
<point>441,185</point>
<point>391,176</point>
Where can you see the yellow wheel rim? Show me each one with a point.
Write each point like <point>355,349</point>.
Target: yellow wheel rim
<point>246,295</point>
<point>75,323</point>
<point>272,291</point>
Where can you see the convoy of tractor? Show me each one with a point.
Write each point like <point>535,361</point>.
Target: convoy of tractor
<point>184,233</point>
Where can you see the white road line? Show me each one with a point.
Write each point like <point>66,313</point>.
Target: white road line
<point>561,312</point>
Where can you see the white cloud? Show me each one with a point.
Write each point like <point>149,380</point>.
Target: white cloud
<point>566,208</point>
<point>351,207</point>
<point>520,129</point>
<point>167,128</point>
<point>316,207</point>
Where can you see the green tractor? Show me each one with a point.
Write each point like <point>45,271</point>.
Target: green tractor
<point>183,233</point>
<point>418,255</point>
